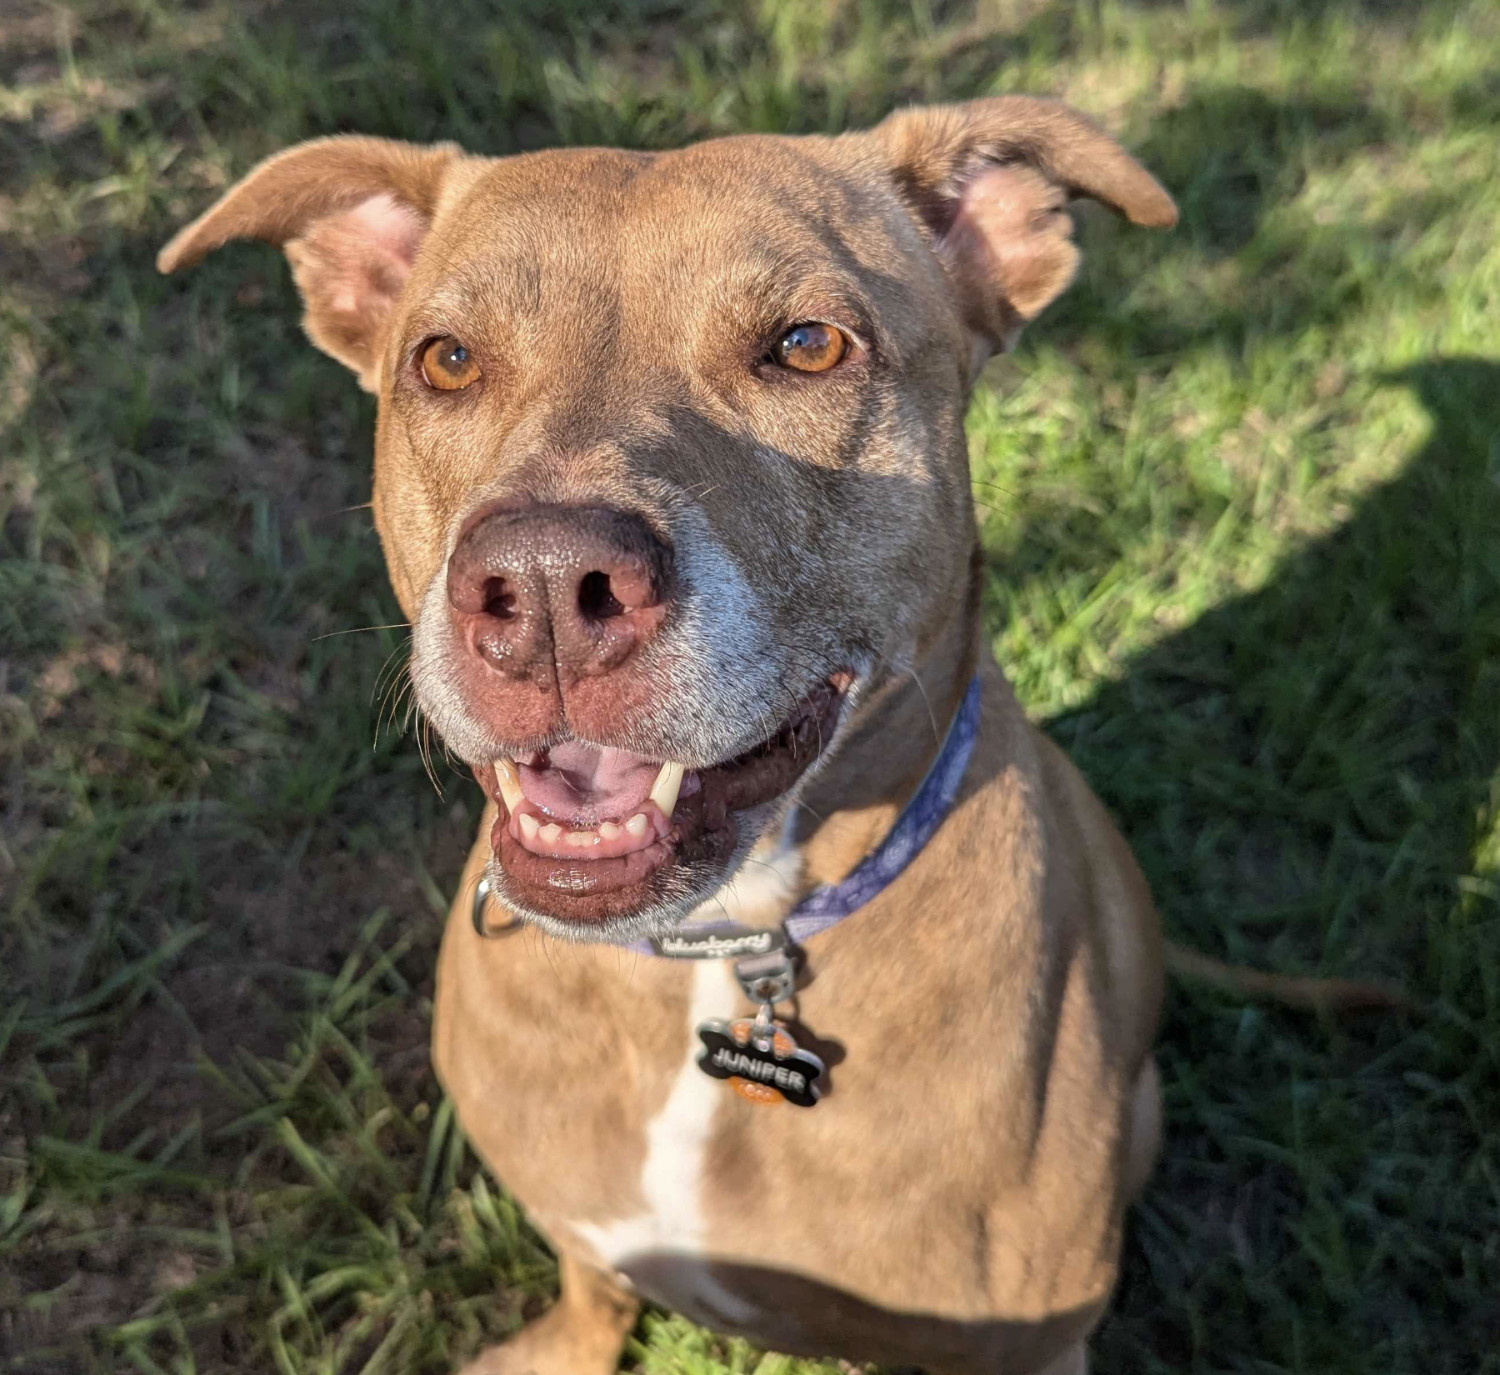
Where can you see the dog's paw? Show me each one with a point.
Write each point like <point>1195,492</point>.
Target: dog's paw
<point>550,1346</point>
<point>505,1359</point>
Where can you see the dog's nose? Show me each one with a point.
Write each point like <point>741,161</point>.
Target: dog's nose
<point>578,588</point>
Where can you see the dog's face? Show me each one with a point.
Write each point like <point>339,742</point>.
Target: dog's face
<point>670,469</point>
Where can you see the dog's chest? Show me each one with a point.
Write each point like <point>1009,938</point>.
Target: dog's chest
<point>715,1207</point>
<point>724,1185</point>
<point>674,1177</point>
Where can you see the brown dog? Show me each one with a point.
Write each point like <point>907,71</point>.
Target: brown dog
<point>672,482</point>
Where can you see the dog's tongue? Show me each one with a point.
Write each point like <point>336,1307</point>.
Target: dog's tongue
<point>584,785</point>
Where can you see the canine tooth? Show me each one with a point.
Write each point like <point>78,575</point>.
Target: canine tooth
<point>637,824</point>
<point>510,784</point>
<point>581,839</point>
<point>550,832</point>
<point>608,830</point>
<point>664,790</point>
<point>529,825</point>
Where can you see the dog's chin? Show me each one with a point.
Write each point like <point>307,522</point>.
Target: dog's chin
<point>645,884</point>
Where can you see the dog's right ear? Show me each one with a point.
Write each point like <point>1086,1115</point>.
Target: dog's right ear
<point>350,213</point>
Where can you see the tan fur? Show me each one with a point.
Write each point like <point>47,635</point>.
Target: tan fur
<point>957,1199</point>
<point>583,1331</point>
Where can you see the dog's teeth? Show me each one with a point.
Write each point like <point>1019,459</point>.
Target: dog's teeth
<point>637,824</point>
<point>608,830</point>
<point>529,825</point>
<point>510,784</point>
<point>581,839</point>
<point>550,832</point>
<point>664,790</point>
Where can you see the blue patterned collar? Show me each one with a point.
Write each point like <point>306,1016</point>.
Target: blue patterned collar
<point>827,906</point>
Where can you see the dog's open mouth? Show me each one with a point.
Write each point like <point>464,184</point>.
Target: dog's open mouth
<point>587,833</point>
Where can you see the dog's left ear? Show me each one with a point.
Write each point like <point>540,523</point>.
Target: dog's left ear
<point>350,213</point>
<point>990,180</point>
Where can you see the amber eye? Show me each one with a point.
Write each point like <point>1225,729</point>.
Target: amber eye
<point>810,348</point>
<point>448,365</point>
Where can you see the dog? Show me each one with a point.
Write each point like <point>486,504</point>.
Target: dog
<point>672,483</point>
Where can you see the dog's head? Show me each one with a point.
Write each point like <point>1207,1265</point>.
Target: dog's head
<point>670,468</point>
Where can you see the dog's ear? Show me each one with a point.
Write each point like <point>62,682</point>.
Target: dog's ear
<point>350,213</point>
<point>991,180</point>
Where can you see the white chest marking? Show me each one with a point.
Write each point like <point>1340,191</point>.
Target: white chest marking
<point>672,1176</point>
<point>761,893</point>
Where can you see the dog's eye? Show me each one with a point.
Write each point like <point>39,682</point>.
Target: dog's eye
<point>810,348</point>
<point>448,365</point>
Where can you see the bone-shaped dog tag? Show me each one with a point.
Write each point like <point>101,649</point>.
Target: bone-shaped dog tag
<point>761,1061</point>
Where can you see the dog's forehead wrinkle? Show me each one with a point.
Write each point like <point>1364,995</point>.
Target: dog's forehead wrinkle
<point>658,290</point>
<point>793,285</point>
<point>499,284</point>
<point>529,310</point>
<point>758,214</point>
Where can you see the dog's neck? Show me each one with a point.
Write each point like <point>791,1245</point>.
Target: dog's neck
<point>897,733</point>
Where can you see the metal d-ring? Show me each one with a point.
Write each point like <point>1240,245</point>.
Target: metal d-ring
<point>767,979</point>
<point>481,927</point>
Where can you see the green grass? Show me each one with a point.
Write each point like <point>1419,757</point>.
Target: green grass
<point>1240,497</point>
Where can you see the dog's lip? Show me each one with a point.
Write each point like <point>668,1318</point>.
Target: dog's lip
<point>701,828</point>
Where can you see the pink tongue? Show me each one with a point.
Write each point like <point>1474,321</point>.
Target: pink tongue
<point>585,785</point>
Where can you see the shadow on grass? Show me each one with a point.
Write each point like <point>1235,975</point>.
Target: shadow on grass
<point>1303,774</point>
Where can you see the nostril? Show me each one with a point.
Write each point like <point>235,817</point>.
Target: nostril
<point>499,599</point>
<point>596,597</point>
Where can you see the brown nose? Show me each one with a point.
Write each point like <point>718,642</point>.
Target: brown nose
<point>578,587</point>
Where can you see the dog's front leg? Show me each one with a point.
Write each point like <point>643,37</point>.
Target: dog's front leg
<point>581,1334</point>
